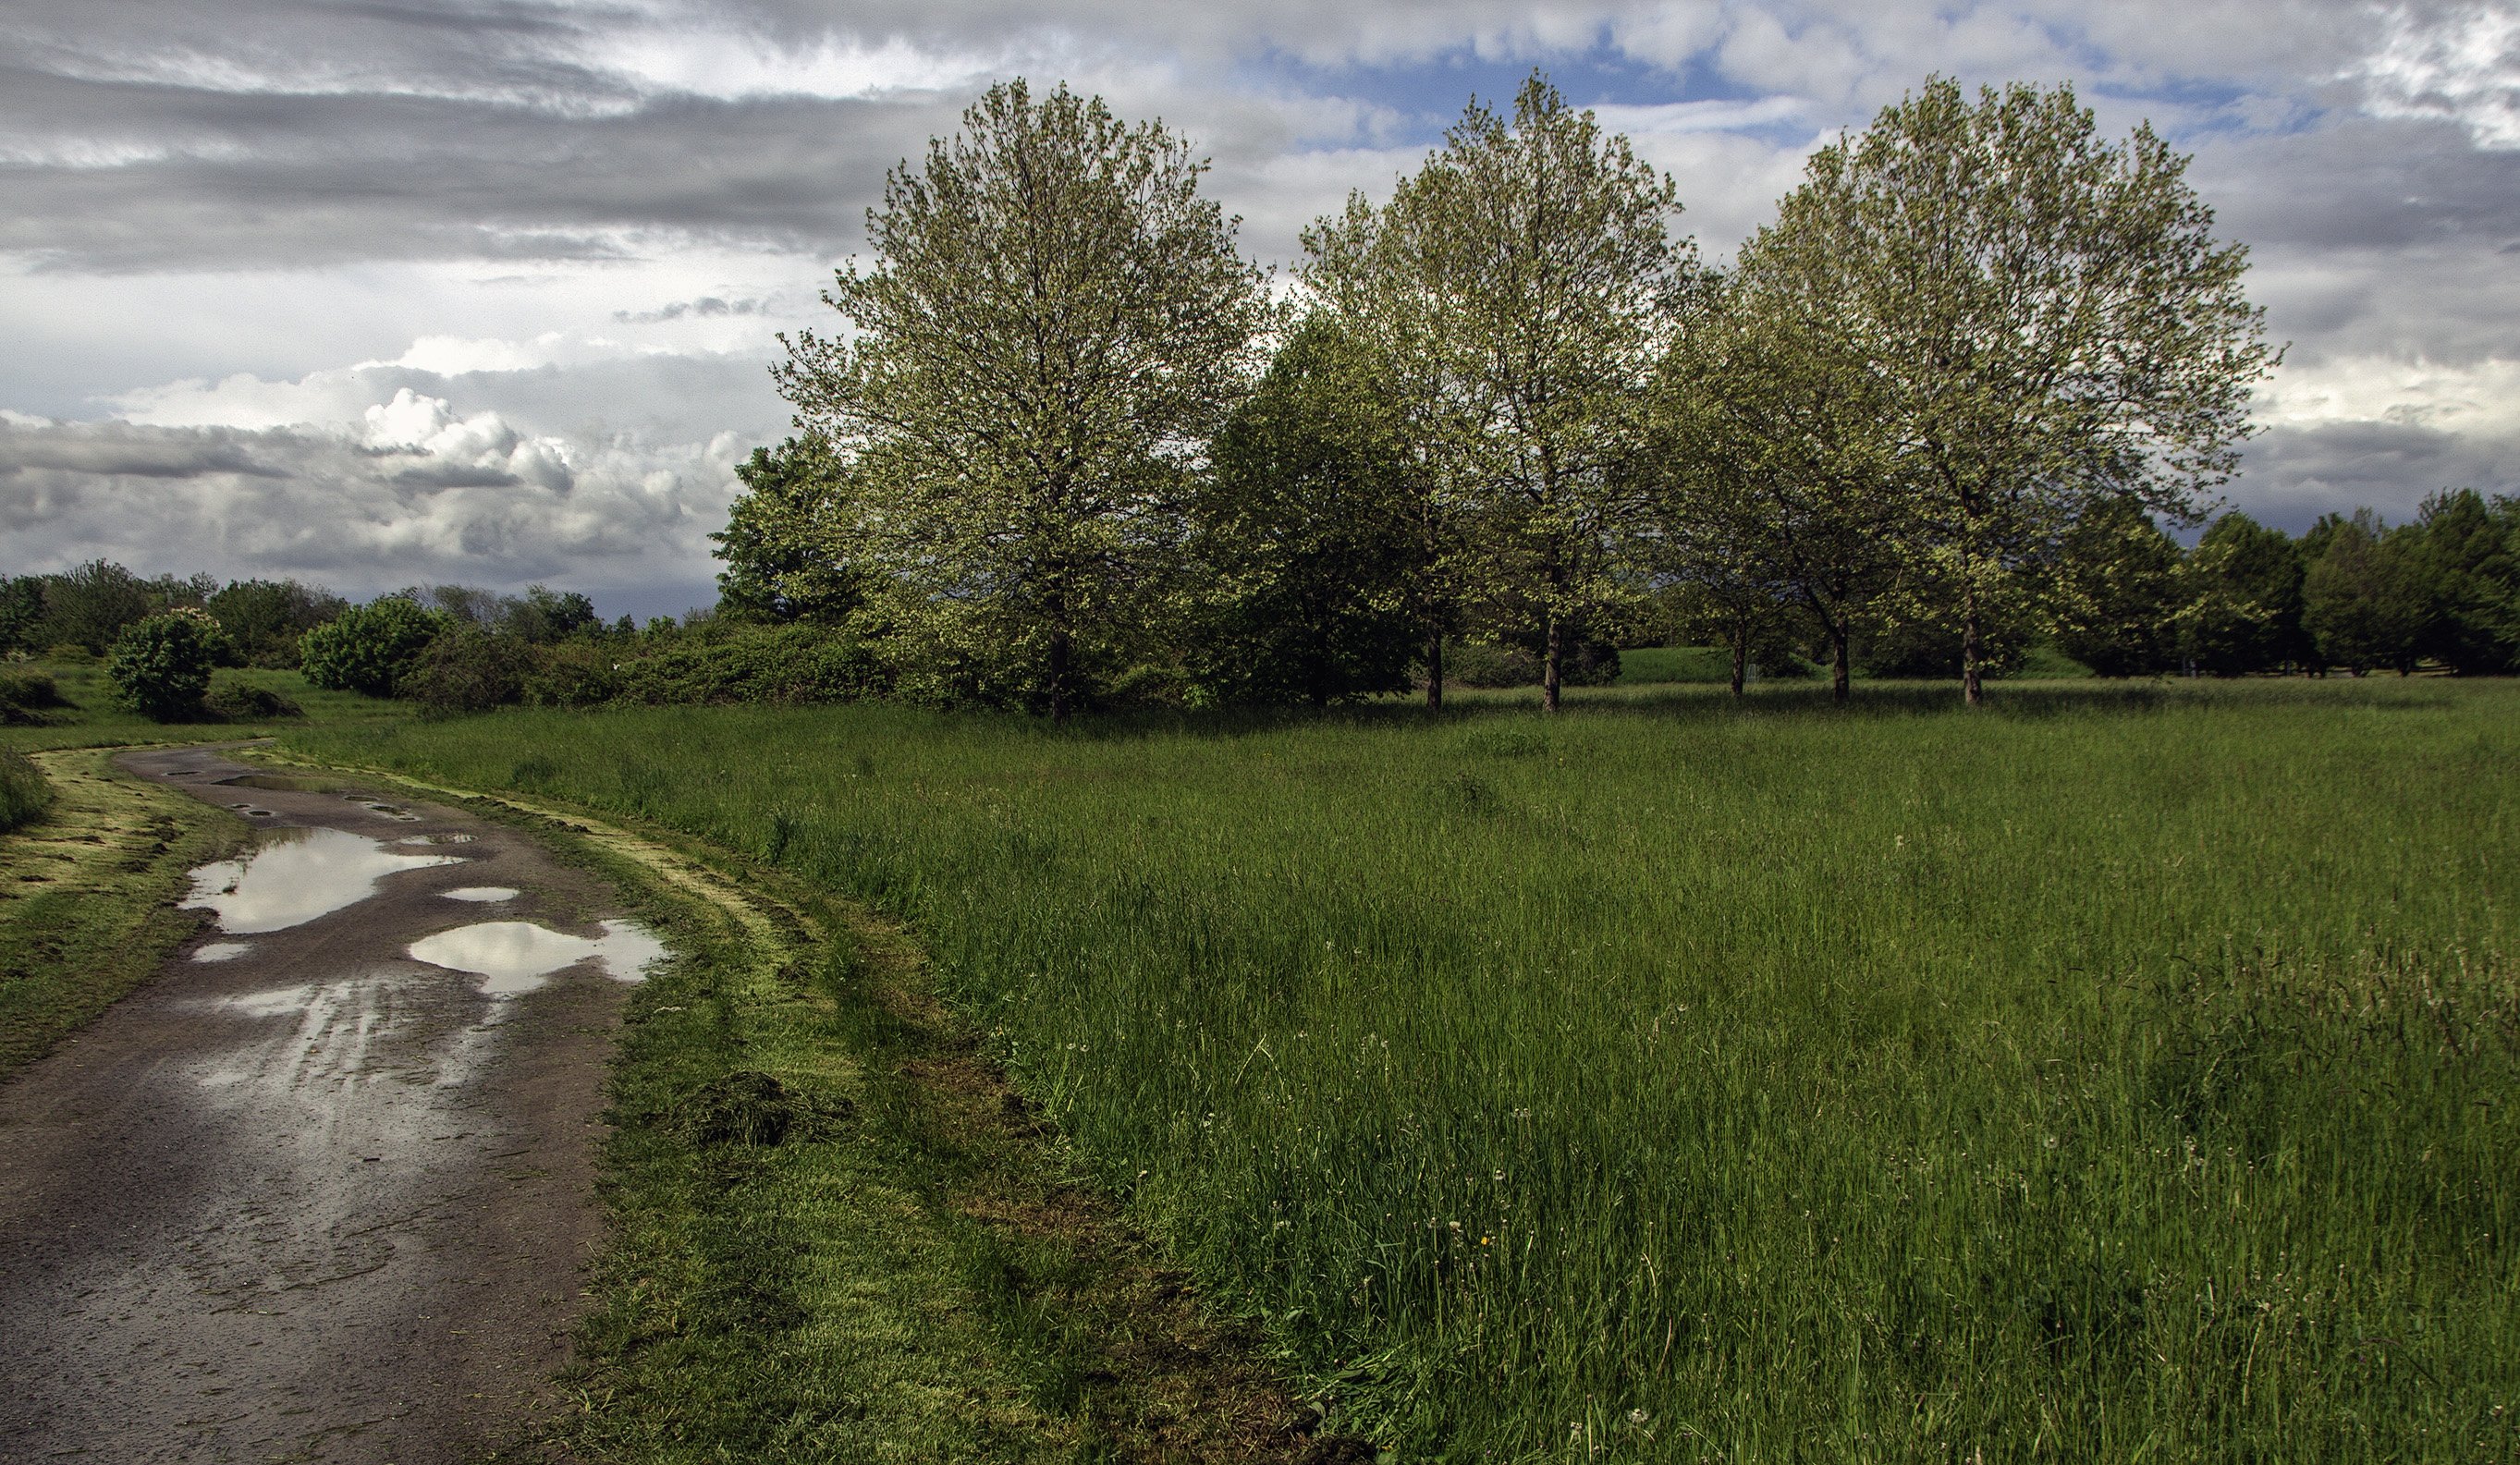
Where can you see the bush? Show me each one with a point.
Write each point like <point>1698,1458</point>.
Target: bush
<point>576,674</point>
<point>25,697</point>
<point>162,664</point>
<point>469,670</point>
<point>369,647</point>
<point>244,702</point>
<point>23,793</point>
<point>1481,664</point>
<point>798,663</point>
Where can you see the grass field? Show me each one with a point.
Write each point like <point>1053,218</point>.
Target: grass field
<point>2125,1072</point>
<point>94,720</point>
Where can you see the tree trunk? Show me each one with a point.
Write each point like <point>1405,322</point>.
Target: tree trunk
<point>1549,670</point>
<point>1972,685</point>
<point>1838,672</point>
<point>1434,671</point>
<point>1740,659</point>
<point>1060,653</point>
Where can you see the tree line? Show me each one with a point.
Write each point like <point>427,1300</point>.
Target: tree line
<point>1963,393</point>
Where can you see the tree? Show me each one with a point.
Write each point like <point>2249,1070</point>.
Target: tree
<point>2471,568</point>
<point>542,615</point>
<point>90,605</point>
<point>372,647</point>
<point>2114,601</point>
<point>1305,535</point>
<point>2049,314</point>
<point>2240,610</point>
<point>161,663</point>
<point>2364,599</point>
<point>792,544</point>
<point>266,617</point>
<point>1775,483</point>
<point>1055,327</point>
<point>1535,283</point>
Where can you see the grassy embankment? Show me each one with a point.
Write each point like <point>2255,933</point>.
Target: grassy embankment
<point>2124,1073</point>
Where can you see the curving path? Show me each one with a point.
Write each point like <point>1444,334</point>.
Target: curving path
<point>305,1196</point>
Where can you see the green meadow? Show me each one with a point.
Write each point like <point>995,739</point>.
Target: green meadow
<point>2118,1073</point>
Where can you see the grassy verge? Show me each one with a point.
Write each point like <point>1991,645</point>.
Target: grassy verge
<point>837,1234</point>
<point>87,896</point>
<point>2121,1072</point>
<point>93,718</point>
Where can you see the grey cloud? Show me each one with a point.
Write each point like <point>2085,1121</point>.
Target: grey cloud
<point>706,307</point>
<point>2294,475</point>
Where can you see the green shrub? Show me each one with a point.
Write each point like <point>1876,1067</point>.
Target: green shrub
<point>800,663</point>
<point>574,674</point>
<point>469,670</point>
<point>244,702</point>
<point>162,664</point>
<point>25,697</point>
<point>23,793</point>
<point>369,647</point>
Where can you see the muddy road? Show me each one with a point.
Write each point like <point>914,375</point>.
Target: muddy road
<point>323,1190</point>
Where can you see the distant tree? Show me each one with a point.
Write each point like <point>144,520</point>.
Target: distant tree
<point>2114,601</point>
<point>1758,624</point>
<point>2240,610</point>
<point>1536,261</point>
<point>1053,329</point>
<point>2364,599</point>
<point>542,615</point>
<point>21,613</point>
<point>2470,563</point>
<point>2050,316</point>
<point>370,647</point>
<point>266,617</point>
<point>161,663</point>
<point>1304,535</point>
<point>90,605</point>
<point>467,669</point>
<point>792,546</point>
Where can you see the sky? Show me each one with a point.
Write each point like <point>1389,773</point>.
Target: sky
<point>376,293</point>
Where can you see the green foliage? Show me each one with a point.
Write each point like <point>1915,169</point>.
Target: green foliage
<point>2095,1079</point>
<point>1054,325</point>
<point>91,605</point>
<point>467,669</point>
<point>237,702</point>
<point>27,696</point>
<point>790,535</point>
<point>264,618</point>
<point>2363,598</point>
<point>798,663</point>
<point>2046,314</point>
<point>370,647</point>
<point>2116,590</point>
<point>162,664</point>
<point>25,794</point>
<point>2469,555</point>
<point>1304,536</point>
<point>1525,284</point>
<point>2241,610</point>
<point>21,613</point>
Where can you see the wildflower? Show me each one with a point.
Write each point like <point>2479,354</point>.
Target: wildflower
<point>1638,1417</point>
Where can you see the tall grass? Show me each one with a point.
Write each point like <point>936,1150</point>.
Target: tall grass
<point>23,793</point>
<point>2107,1077</point>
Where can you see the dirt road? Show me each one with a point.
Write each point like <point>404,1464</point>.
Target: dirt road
<point>309,1196</point>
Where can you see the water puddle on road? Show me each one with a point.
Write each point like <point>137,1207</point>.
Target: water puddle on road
<point>293,881</point>
<point>484,894</point>
<point>222,951</point>
<point>516,956</point>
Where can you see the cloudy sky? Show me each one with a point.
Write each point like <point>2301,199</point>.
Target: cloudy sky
<point>371,291</point>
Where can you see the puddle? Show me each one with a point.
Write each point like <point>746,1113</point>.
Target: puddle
<point>249,811</point>
<point>222,951</point>
<point>517,957</point>
<point>374,805</point>
<point>486,894</point>
<point>292,882</point>
<point>435,839</point>
<point>280,783</point>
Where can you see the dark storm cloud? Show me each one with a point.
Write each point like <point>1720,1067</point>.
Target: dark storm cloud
<point>2298,473</point>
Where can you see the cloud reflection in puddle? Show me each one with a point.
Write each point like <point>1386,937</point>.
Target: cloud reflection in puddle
<point>291,881</point>
<point>517,956</point>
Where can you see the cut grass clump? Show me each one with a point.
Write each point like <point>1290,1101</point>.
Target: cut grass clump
<point>2114,1073</point>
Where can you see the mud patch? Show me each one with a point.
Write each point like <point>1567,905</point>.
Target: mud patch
<point>517,957</point>
<point>293,880</point>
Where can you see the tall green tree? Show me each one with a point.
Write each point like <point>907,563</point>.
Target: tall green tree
<point>2240,611</point>
<point>2113,603</point>
<point>1775,483</point>
<point>1306,537</point>
<point>2364,600</point>
<point>1534,283</point>
<point>2471,568</point>
<point>792,545</point>
<point>1054,326</point>
<point>2052,317</point>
